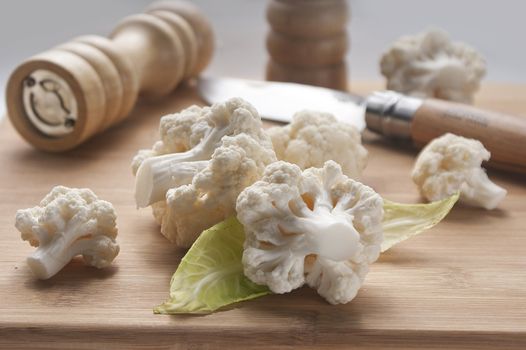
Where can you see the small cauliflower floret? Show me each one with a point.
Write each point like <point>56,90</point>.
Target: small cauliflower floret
<point>210,196</point>
<point>188,140</point>
<point>315,137</point>
<point>430,65</point>
<point>451,164</point>
<point>68,222</point>
<point>317,227</point>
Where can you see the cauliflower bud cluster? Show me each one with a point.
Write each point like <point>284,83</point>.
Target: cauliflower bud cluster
<point>316,227</point>
<point>312,138</point>
<point>205,158</point>
<point>431,65</point>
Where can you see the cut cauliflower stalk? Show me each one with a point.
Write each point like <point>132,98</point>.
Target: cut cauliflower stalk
<point>206,156</point>
<point>312,138</point>
<point>68,222</point>
<point>430,65</point>
<point>317,227</point>
<point>451,164</point>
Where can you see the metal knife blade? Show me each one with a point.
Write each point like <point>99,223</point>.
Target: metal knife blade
<point>279,101</point>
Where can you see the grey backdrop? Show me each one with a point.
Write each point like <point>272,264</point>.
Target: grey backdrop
<point>496,28</point>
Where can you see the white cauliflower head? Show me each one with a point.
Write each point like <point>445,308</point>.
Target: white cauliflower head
<point>451,164</point>
<point>188,140</point>
<point>317,227</point>
<point>431,65</point>
<point>210,196</point>
<point>68,222</point>
<point>312,138</point>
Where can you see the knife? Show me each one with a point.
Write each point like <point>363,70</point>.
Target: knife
<point>388,113</point>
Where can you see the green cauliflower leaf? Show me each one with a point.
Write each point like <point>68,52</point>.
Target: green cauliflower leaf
<point>210,275</point>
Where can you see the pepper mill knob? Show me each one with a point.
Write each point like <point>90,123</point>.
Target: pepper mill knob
<point>59,98</point>
<point>307,42</point>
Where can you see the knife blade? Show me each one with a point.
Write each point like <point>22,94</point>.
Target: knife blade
<point>278,101</point>
<point>386,112</point>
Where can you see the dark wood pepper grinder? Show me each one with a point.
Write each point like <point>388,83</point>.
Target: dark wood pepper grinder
<point>307,42</point>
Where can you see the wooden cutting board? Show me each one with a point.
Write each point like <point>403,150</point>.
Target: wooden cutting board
<point>462,284</point>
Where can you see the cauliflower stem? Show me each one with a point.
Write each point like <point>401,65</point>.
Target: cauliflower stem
<point>75,239</point>
<point>158,174</point>
<point>328,233</point>
<point>480,191</point>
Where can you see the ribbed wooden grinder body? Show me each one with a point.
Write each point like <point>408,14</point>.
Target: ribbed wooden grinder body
<point>146,55</point>
<point>307,42</point>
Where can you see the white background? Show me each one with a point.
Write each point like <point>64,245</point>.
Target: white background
<point>495,28</point>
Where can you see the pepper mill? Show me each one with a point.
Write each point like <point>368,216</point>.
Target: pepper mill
<point>60,98</point>
<point>307,42</point>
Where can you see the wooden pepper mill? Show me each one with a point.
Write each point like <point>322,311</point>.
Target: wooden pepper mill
<point>59,98</point>
<point>307,42</point>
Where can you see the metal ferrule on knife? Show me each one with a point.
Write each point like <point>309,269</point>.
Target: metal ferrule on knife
<point>390,113</point>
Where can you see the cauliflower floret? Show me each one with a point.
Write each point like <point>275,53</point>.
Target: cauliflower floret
<point>68,222</point>
<point>315,137</point>
<point>430,65</point>
<point>206,156</point>
<point>211,195</point>
<point>317,227</point>
<point>452,163</point>
<point>188,140</point>
<point>179,132</point>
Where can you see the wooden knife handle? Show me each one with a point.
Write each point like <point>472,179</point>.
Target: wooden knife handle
<point>59,98</point>
<point>503,135</point>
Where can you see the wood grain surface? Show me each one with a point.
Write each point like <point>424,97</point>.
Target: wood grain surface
<point>461,285</point>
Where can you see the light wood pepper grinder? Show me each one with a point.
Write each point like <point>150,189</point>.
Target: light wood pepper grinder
<point>307,42</point>
<point>59,98</point>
